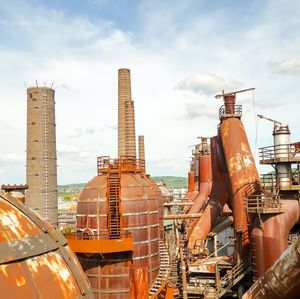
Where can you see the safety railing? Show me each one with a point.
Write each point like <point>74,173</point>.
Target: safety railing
<point>280,153</point>
<point>232,277</point>
<point>231,111</point>
<point>281,181</point>
<point>263,204</point>
<point>126,164</point>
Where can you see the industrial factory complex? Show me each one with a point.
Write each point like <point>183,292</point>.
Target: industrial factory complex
<point>234,234</point>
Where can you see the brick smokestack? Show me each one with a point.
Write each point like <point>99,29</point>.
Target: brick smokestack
<point>126,120</point>
<point>141,147</point>
<point>41,167</point>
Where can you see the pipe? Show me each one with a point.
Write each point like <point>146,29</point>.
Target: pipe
<point>197,235</point>
<point>282,279</point>
<point>205,183</point>
<point>270,236</point>
<point>191,181</point>
<point>182,216</point>
<point>172,204</point>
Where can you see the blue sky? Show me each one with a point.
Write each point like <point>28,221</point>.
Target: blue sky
<point>181,53</point>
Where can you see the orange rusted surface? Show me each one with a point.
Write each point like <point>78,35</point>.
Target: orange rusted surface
<point>282,279</point>
<point>205,183</point>
<point>139,285</point>
<point>35,261</point>
<point>191,181</point>
<point>139,218</point>
<point>99,246</point>
<point>15,225</point>
<point>197,234</point>
<point>270,236</point>
<point>243,175</point>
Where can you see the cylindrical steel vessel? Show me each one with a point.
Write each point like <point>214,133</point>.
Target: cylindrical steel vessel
<point>36,261</point>
<point>270,236</point>
<point>281,135</point>
<point>243,175</point>
<point>139,218</point>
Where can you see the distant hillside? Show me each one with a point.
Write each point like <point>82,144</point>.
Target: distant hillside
<point>70,190</point>
<point>172,181</point>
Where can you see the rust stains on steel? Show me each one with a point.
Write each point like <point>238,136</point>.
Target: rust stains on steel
<point>219,195</point>
<point>191,181</point>
<point>270,235</point>
<point>282,279</point>
<point>35,261</point>
<point>243,175</point>
<point>205,183</point>
<point>140,217</point>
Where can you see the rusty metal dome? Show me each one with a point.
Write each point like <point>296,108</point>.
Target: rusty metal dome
<point>35,260</point>
<point>118,271</point>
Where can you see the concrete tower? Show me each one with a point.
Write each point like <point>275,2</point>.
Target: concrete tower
<point>141,147</point>
<point>41,168</point>
<point>126,120</point>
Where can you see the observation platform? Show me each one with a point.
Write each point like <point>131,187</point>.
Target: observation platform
<point>283,153</point>
<point>126,164</point>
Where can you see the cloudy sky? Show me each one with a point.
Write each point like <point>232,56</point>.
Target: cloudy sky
<point>181,53</point>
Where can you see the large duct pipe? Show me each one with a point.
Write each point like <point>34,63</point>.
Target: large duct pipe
<point>219,196</point>
<point>191,181</point>
<point>282,279</point>
<point>244,179</point>
<point>41,168</point>
<point>130,145</point>
<point>270,236</point>
<point>205,182</point>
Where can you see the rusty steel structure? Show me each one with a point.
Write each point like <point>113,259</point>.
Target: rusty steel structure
<point>264,212</point>
<point>41,165</point>
<point>35,260</point>
<point>120,231</point>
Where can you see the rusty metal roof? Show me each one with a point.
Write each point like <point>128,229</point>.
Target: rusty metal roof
<point>35,260</point>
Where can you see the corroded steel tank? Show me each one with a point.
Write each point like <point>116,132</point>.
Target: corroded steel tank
<point>120,275</point>
<point>35,260</point>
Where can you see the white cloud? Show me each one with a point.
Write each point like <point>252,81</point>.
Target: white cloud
<point>81,54</point>
<point>11,158</point>
<point>207,83</point>
<point>291,67</point>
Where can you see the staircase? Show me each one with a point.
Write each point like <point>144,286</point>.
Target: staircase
<point>113,201</point>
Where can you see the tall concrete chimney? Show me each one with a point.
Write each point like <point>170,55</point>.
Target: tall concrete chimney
<point>141,147</point>
<point>126,120</point>
<point>130,145</point>
<point>41,168</point>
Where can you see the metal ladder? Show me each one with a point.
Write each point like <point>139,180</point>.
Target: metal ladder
<point>113,201</point>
